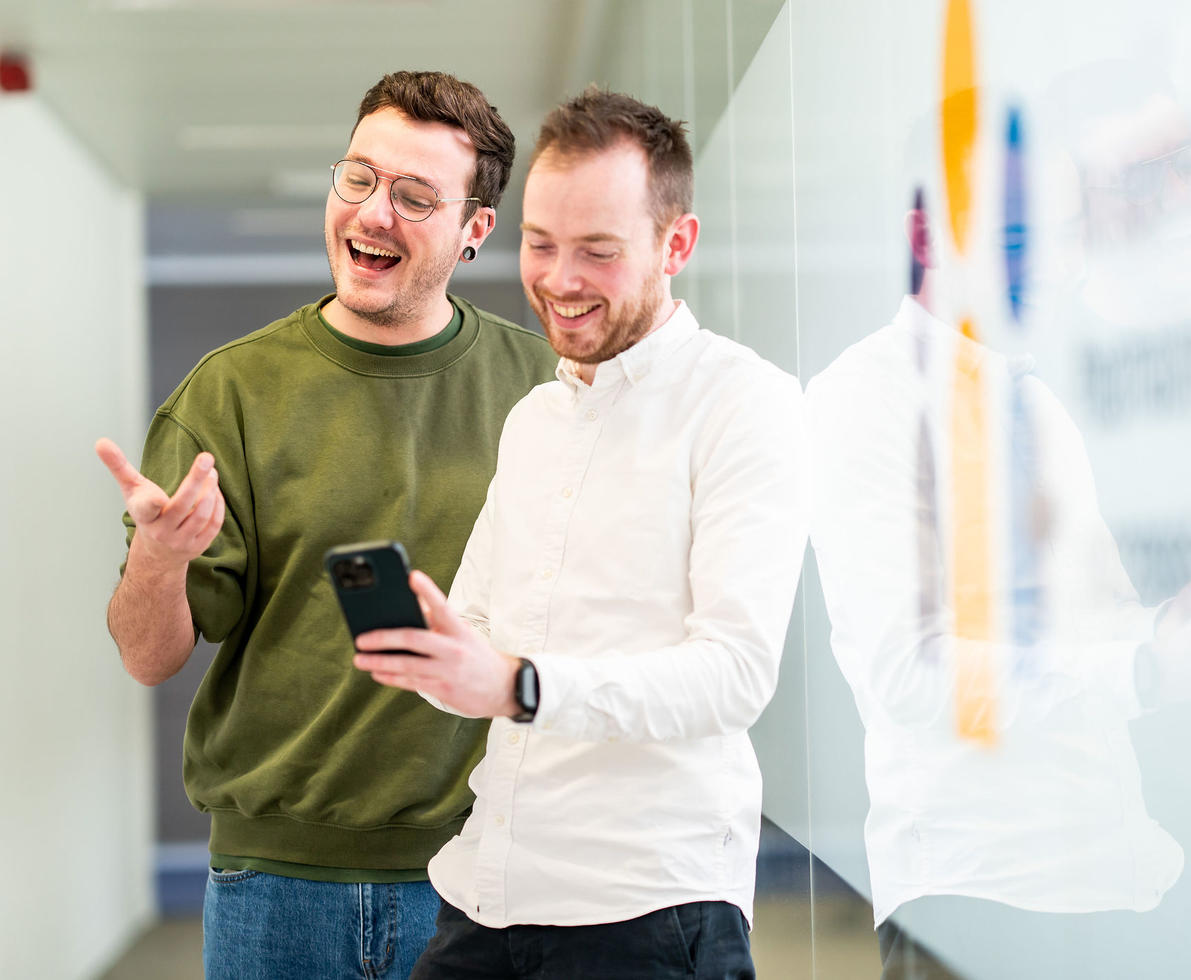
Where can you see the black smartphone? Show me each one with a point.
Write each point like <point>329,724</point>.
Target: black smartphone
<point>371,580</point>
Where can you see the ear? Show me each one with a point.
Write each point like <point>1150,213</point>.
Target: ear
<point>478,227</point>
<point>922,246</point>
<point>679,243</point>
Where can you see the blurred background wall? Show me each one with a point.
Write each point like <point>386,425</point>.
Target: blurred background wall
<point>76,823</point>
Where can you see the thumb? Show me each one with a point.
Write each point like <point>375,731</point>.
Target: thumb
<point>439,616</point>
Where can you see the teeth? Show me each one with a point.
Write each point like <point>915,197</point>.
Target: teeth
<point>372,250</point>
<point>570,312</point>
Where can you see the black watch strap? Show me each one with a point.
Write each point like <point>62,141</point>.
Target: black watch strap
<point>525,691</point>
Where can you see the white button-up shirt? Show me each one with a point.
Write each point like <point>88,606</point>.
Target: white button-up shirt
<point>641,543</point>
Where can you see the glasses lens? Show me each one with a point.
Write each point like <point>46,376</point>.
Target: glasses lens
<point>1182,163</point>
<point>353,181</point>
<point>413,199</point>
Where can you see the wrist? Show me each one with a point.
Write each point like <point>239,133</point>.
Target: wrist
<point>149,563</point>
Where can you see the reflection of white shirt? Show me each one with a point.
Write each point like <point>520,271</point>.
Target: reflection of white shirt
<point>1049,816</point>
<point>641,542</point>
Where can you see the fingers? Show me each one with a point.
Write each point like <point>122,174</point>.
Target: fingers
<point>117,463</point>
<point>425,642</point>
<point>203,523</point>
<point>199,483</point>
<point>456,666</point>
<point>216,522</point>
<point>393,669</point>
<point>421,674</point>
<point>439,616</point>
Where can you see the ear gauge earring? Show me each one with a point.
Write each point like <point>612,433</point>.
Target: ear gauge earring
<point>469,253</point>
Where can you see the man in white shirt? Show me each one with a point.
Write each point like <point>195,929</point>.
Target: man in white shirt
<point>622,604</point>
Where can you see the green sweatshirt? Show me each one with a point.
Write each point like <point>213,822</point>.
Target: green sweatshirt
<point>299,757</point>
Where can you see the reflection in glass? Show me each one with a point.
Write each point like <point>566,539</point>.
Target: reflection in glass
<point>984,621</point>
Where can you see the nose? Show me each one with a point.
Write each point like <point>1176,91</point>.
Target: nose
<point>561,275</point>
<point>377,211</point>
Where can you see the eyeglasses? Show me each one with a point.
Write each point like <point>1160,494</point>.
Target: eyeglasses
<point>1144,180</point>
<point>413,199</point>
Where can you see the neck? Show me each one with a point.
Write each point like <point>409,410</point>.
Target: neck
<point>587,372</point>
<point>925,296</point>
<point>397,327</point>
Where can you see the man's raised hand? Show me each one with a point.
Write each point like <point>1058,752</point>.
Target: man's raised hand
<point>175,529</point>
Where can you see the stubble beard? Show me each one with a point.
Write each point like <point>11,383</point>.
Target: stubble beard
<point>621,329</point>
<point>408,299</point>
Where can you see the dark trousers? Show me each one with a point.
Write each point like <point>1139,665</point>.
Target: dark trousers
<point>697,941</point>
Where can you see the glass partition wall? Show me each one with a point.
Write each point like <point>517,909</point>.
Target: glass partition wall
<point>966,227</point>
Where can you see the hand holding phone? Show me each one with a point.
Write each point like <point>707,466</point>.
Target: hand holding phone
<point>371,581</point>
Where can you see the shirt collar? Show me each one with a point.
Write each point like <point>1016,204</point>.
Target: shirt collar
<point>928,328</point>
<point>634,364</point>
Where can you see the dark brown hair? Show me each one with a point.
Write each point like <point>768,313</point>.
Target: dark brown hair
<point>435,96</point>
<point>597,120</point>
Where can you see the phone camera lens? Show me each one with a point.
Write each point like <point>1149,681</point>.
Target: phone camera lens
<point>355,573</point>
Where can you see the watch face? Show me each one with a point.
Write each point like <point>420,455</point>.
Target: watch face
<point>526,691</point>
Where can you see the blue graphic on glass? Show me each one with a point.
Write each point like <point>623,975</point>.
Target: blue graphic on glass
<point>1016,237</point>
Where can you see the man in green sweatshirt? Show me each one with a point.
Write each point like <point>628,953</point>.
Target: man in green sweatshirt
<point>373,413</point>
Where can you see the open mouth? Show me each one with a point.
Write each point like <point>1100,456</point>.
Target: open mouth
<point>371,257</point>
<point>572,314</point>
<point>572,311</point>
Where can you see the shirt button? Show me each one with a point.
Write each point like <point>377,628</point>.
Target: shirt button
<point>547,573</point>
<point>592,415</point>
<point>513,738</point>
<point>567,491</point>
<point>499,820</point>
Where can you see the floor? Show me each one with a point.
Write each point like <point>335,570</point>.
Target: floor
<point>844,946</point>
<point>170,950</point>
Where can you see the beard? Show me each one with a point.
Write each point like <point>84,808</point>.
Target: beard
<point>620,329</point>
<point>417,286</point>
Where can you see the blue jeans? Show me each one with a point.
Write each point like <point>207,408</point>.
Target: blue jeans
<point>259,926</point>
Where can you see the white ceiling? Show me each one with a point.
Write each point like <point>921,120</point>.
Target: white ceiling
<point>231,112</point>
<point>177,95</point>
<point>227,113</point>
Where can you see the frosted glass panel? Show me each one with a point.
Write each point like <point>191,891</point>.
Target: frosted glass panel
<point>966,226</point>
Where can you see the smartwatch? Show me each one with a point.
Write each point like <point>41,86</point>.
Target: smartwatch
<point>525,691</point>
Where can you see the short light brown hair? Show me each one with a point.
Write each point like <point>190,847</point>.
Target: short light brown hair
<point>435,96</point>
<point>597,120</point>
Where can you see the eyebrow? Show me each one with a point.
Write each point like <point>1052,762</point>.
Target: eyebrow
<point>599,236</point>
<point>363,158</point>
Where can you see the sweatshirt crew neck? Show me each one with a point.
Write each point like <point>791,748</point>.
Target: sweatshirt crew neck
<point>424,346</point>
